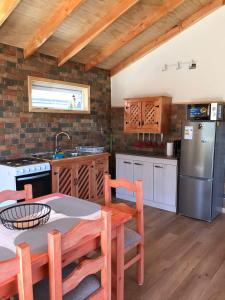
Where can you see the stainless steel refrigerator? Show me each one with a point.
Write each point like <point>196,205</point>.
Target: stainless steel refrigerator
<point>201,176</point>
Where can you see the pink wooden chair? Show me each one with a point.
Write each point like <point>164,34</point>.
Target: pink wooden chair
<point>20,267</point>
<point>132,238</point>
<point>7,195</point>
<point>77,282</point>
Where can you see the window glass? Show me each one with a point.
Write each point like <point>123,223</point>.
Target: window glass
<point>50,96</point>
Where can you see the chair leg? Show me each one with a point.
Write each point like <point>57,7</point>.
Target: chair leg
<point>140,265</point>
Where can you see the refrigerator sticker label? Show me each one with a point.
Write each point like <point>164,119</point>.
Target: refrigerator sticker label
<point>188,132</point>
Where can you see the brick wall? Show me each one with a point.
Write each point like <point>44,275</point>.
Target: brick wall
<point>22,132</point>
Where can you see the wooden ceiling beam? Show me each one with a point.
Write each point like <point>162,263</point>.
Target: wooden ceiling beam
<point>6,8</point>
<point>113,14</point>
<point>152,17</point>
<point>63,10</point>
<point>201,13</point>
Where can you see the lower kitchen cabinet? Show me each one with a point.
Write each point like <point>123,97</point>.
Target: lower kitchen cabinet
<point>159,179</point>
<point>80,177</point>
<point>165,186</point>
<point>83,180</point>
<point>124,169</point>
<point>144,171</point>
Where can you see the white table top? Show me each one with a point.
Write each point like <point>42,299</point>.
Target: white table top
<point>66,212</point>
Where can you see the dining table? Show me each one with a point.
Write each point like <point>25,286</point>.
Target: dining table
<point>66,211</point>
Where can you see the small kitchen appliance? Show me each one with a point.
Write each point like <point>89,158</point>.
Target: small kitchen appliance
<point>15,173</point>
<point>205,112</point>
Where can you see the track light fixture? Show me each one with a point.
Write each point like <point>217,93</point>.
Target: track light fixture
<point>179,65</point>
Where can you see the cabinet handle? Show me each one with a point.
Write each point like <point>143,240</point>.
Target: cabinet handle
<point>127,162</point>
<point>157,106</point>
<point>56,173</point>
<point>159,167</point>
<point>75,181</point>
<point>137,164</point>
<point>139,123</point>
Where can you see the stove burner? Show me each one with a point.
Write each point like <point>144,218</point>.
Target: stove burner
<point>20,162</point>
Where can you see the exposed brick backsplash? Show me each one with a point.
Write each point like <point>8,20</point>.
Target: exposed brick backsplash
<point>22,132</point>
<point>122,141</point>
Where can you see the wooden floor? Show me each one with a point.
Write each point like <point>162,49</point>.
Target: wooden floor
<point>184,259</point>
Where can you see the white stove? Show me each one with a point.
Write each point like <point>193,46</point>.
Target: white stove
<point>14,173</point>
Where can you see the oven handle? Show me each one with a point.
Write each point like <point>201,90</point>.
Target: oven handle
<point>32,177</point>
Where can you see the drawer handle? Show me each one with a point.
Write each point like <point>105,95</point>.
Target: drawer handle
<point>137,164</point>
<point>127,162</point>
<point>159,167</point>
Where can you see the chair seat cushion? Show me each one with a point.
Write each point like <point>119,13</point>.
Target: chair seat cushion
<point>130,237</point>
<point>86,287</point>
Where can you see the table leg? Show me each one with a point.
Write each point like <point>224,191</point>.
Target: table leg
<point>118,264</point>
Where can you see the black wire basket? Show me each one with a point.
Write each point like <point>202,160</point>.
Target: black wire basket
<point>25,216</point>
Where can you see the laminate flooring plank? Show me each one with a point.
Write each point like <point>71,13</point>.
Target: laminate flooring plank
<point>184,259</point>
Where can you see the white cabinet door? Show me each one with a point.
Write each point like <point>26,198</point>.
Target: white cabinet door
<point>124,169</point>
<point>165,185</point>
<point>144,171</point>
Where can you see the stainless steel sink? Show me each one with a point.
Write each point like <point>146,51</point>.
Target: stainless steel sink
<point>77,151</point>
<point>52,155</point>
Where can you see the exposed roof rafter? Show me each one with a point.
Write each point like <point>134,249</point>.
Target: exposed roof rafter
<point>201,13</point>
<point>6,8</point>
<point>114,13</point>
<point>152,17</point>
<point>63,10</point>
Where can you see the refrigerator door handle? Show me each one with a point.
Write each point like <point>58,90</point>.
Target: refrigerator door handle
<point>199,178</point>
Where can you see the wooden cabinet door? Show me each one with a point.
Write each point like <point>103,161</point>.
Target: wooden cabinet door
<point>83,180</point>
<point>124,169</point>
<point>63,180</point>
<point>132,116</point>
<point>144,171</point>
<point>165,184</point>
<point>151,115</point>
<point>99,170</point>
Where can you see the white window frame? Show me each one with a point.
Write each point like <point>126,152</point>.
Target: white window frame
<point>50,82</point>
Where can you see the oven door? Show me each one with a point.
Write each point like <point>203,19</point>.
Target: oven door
<point>41,183</point>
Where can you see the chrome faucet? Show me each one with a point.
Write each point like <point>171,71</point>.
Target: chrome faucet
<point>56,139</point>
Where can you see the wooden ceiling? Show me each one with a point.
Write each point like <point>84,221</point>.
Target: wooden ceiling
<point>110,34</point>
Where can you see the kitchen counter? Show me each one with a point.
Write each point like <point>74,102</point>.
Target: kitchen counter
<point>147,154</point>
<point>69,156</point>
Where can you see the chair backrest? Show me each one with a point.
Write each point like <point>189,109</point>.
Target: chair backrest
<point>20,267</point>
<point>59,244</point>
<point>17,195</point>
<point>136,187</point>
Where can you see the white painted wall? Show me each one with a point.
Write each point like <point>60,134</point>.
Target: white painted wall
<point>204,42</point>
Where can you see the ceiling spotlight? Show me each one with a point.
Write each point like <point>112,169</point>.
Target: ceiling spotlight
<point>192,65</point>
<point>179,65</point>
<point>165,68</point>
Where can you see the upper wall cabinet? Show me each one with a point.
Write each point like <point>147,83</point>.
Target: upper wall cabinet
<point>54,96</point>
<point>148,114</point>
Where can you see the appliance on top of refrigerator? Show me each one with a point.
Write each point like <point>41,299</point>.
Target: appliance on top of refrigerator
<point>202,161</point>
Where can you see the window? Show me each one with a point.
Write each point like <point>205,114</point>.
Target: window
<point>46,95</point>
